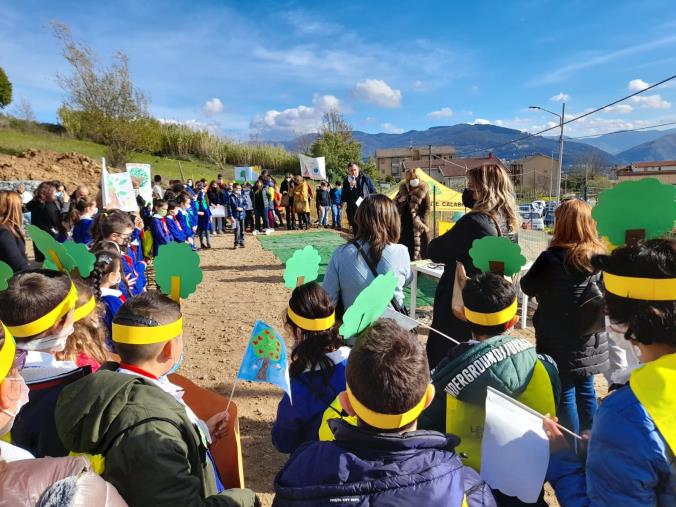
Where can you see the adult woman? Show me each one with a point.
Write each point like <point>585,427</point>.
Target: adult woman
<point>44,212</point>
<point>12,241</point>
<point>413,203</point>
<point>569,321</point>
<point>490,196</point>
<point>301,206</point>
<point>216,197</point>
<point>375,248</point>
<point>261,201</point>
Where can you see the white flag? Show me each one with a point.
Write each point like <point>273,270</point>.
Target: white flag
<point>514,449</point>
<point>314,168</point>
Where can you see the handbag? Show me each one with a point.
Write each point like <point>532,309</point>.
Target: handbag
<point>285,201</point>
<point>395,304</point>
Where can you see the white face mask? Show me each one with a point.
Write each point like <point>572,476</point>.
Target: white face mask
<point>95,212</point>
<point>414,182</point>
<point>55,343</point>
<point>23,399</point>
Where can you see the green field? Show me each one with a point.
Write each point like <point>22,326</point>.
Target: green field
<point>13,142</point>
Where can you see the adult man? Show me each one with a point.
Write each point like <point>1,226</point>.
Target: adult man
<point>286,188</point>
<point>356,187</point>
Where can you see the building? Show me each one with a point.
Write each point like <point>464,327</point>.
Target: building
<point>394,161</point>
<point>452,173</point>
<point>663,170</point>
<point>534,173</point>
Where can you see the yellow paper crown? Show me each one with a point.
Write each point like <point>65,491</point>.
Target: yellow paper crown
<point>321,324</point>
<point>491,319</point>
<point>387,421</point>
<point>82,311</point>
<point>644,289</point>
<point>47,321</point>
<point>144,335</point>
<point>7,353</point>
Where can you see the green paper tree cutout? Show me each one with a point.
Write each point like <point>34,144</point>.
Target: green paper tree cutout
<point>83,258</point>
<point>497,254</point>
<point>302,267</point>
<point>267,348</point>
<point>51,249</point>
<point>177,270</point>
<point>369,305</point>
<point>6,272</point>
<point>635,210</point>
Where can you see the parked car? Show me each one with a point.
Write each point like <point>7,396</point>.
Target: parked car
<point>532,221</point>
<point>539,206</point>
<point>549,218</point>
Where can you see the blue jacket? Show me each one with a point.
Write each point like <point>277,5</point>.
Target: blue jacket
<point>203,221</point>
<point>237,201</point>
<point>300,422</point>
<point>335,195</point>
<point>112,302</point>
<point>133,269</point>
<point>184,219</point>
<point>628,462</point>
<point>175,229</point>
<point>161,236</point>
<point>81,231</point>
<point>365,468</point>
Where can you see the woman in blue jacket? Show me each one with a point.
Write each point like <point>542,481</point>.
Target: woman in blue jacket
<point>630,460</point>
<point>317,368</point>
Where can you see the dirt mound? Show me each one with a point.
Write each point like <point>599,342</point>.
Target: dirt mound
<point>71,168</point>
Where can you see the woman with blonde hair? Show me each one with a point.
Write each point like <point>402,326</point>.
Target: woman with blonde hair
<point>12,241</point>
<point>301,204</point>
<point>490,198</point>
<point>413,203</point>
<point>570,318</point>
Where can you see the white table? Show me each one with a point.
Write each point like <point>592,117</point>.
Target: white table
<point>427,267</point>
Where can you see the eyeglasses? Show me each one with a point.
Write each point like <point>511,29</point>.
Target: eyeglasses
<point>123,236</point>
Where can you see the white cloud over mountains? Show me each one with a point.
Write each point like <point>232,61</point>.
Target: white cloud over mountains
<point>651,101</point>
<point>378,92</point>
<point>392,129</point>
<point>281,125</point>
<point>444,112</point>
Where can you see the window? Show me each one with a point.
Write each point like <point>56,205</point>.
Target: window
<point>396,167</point>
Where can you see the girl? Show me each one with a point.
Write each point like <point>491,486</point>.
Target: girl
<point>203,217</point>
<point>81,216</point>
<point>86,346</point>
<point>104,280</point>
<point>569,321</point>
<point>317,368</point>
<point>12,240</point>
<point>184,218</point>
<point>173,223</point>
<point>159,227</point>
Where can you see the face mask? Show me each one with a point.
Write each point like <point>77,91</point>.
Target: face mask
<point>162,212</point>
<point>350,178</point>
<point>23,399</point>
<point>55,343</point>
<point>468,198</point>
<point>176,366</point>
<point>59,194</point>
<point>414,182</point>
<point>95,212</point>
<point>238,192</point>
<point>288,179</point>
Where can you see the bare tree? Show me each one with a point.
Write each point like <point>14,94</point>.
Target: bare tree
<point>23,110</point>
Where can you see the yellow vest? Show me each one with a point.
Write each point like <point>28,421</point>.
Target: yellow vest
<point>334,411</point>
<point>654,384</point>
<point>467,420</point>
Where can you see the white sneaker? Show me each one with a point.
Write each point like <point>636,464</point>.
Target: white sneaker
<point>255,232</point>
<point>268,231</point>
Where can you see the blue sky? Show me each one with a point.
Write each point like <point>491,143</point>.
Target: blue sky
<point>272,68</point>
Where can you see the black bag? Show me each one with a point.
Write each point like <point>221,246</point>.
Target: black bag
<point>588,314</point>
<point>395,304</point>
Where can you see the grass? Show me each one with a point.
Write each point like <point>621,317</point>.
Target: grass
<point>14,142</point>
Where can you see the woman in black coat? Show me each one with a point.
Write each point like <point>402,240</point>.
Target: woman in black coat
<point>570,319</point>
<point>12,242</point>
<point>44,212</point>
<point>490,196</point>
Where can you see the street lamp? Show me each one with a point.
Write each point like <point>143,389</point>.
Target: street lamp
<point>561,119</point>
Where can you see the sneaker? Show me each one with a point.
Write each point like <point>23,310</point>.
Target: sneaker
<point>254,232</point>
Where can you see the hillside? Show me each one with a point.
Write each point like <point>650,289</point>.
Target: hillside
<point>662,148</point>
<point>623,141</point>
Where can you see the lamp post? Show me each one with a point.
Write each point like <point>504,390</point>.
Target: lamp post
<point>561,120</point>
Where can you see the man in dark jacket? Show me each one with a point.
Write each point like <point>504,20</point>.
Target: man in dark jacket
<point>383,460</point>
<point>286,189</point>
<point>356,187</point>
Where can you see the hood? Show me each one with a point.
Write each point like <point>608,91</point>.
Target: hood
<point>95,409</point>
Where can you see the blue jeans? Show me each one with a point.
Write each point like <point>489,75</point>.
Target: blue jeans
<point>324,218</point>
<point>578,402</point>
<point>337,214</point>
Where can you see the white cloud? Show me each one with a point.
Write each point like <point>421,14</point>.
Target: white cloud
<point>304,24</point>
<point>619,108</point>
<point>377,92</point>
<point>369,119</point>
<point>213,106</point>
<point>282,125</point>
<point>418,85</point>
<point>392,129</point>
<point>481,121</point>
<point>636,85</point>
<point>651,101</point>
<point>444,112</point>
<point>560,97</point>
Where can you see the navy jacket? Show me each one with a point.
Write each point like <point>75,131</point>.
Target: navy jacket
<point>175,229</point>
<point>237,201</point>
<point>369,469</point>
<point>82,231</point>
<point>160,231</point>
<point>363,189</point>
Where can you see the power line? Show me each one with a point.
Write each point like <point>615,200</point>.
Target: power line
<point>625,130</point>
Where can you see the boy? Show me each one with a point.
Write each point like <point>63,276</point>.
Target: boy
<point>336,205</point>
<point>237,210</point>
<point>383,460</point>
<point>173,223</point>
<point>155,449</point>
<point>158,225</point>
<point>493,359</point>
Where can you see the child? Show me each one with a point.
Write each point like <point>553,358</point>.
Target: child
<point>81,216</point>
<point>237,209</point>
<point>173,223</point>
<point>86,346</point>
<point>158,226</point>
<point>335,195</point>
<point>278,206</point>
<point>323,205</point>
<point>203,217</point>
<point>37,308</point>
<point>248,197</point>
<point>317,368</point>
<point>630,459</point>
<point>184,217</point>
<point>383,460</point>
<point>155,448</point>
<point>105,279</point>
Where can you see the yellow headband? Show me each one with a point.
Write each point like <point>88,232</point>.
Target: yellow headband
<point>144,335</point>
<point>312,324</point>
<point>7,353</point>
<point>491,319</point>
<point>387,421</point>
<point>47,321</point>
<point>82,311</point>
<point>645,289</point>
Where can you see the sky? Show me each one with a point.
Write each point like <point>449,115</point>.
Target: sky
<point>270,69</point>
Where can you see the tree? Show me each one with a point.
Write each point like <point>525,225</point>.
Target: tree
<point>5,90</point>
<point>336,144</point>
<point>24,111</point>
<point>267,348</point>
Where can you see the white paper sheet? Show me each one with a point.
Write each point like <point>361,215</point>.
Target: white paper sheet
<point>514,449</point>
<point>359,201</point>
<point>402,320</point>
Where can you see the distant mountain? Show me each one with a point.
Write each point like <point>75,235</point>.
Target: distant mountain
<point>663,148</point>
<point>472,140</point>
<point>623,141</point>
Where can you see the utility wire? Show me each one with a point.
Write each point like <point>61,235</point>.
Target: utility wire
<point>590,136</point>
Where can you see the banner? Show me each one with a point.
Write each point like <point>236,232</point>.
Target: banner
<point>245,173</point>
<point>117,191</point>
<point>314,168</point>
<point>140,178</point>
